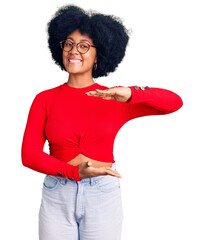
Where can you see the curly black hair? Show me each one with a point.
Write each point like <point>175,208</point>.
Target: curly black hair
<point>107,32</point>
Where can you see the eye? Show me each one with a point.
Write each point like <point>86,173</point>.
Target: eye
<point>83,45</point>
<point>68,44</point>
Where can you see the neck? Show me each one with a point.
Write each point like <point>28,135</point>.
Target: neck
<point>80,80</point>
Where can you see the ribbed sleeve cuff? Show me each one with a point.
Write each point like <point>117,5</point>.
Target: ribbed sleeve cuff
<point>76,173</point>
<point>139,94</point>
<point>71,172</point>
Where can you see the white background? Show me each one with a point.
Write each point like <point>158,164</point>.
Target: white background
<point>160,158</point>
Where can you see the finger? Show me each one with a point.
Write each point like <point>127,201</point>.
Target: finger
<point>89,163</point>
<point>99,90</point>
<point>104,95</point>
<point>90,166</point>
<point>100,93</point>
<point>108,97</point>
<point>94,94</point>
<point>104,91</point>
<point>113,173</point>
<point>105,171</point>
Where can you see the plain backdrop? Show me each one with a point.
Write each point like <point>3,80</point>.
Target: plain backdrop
<point>160,158</point>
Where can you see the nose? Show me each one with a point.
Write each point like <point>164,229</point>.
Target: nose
<point>74,49</point>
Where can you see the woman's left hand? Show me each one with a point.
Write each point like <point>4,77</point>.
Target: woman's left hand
<point>120,94</point>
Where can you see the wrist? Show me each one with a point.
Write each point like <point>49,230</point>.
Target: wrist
<point>76,173</point>
<point>130,94</point>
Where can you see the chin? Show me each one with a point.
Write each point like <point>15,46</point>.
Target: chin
<point>74,72</point>
<point>69,70</point>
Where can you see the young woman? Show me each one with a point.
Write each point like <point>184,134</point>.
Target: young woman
<point>81,197</point>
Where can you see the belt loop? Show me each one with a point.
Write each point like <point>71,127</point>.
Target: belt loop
<point>92,181</point>
<point>63,181</point>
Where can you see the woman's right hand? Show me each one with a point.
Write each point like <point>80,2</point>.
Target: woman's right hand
<point>86,171</point>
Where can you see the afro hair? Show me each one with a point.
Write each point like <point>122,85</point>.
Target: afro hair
<point>107,32</point>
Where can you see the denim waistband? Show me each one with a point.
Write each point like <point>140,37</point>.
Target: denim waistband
<point>85,180</point>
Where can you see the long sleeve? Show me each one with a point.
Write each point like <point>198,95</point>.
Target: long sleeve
<point>151,101</point>
<point>32,153</point>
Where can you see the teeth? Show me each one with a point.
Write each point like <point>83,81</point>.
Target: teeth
<point>74,60</point>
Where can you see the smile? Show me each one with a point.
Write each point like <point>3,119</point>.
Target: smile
<point>74,60</point>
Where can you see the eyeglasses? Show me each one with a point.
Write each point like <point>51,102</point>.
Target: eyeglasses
<point>82,47</point>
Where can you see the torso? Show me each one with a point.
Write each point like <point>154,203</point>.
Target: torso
<point>82,158</point>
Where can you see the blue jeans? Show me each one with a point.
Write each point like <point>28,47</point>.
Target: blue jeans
<point>86,210</point>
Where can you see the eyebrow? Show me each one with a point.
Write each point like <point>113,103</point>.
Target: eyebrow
<point>82,40</point>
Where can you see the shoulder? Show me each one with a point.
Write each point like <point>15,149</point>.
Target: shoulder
<point>46,96</point>
<point>47,93</point>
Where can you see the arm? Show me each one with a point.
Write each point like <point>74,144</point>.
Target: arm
<point>161,100</point>
<point>33,142</point>
<point>138,101</point>
<point>150,101</point>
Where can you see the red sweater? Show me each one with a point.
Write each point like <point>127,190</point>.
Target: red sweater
<point>74,123</point>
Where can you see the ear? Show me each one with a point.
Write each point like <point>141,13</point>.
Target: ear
<point>95,61</point>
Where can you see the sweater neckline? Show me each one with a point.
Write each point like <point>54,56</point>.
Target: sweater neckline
<point>90,87</point>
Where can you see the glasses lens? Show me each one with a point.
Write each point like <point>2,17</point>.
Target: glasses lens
<point>67,45</point>
<point>83,47</point>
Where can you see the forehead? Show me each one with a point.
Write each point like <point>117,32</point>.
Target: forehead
<point>77,36</point>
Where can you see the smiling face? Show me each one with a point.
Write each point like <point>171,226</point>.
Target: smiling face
<point>74,61</point>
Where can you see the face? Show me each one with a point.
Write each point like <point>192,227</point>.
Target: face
<point>74,61</point>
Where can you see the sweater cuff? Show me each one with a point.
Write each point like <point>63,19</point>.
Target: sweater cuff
<point>139,94</point>
<point>71,172</point>
<point>76,173</point>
